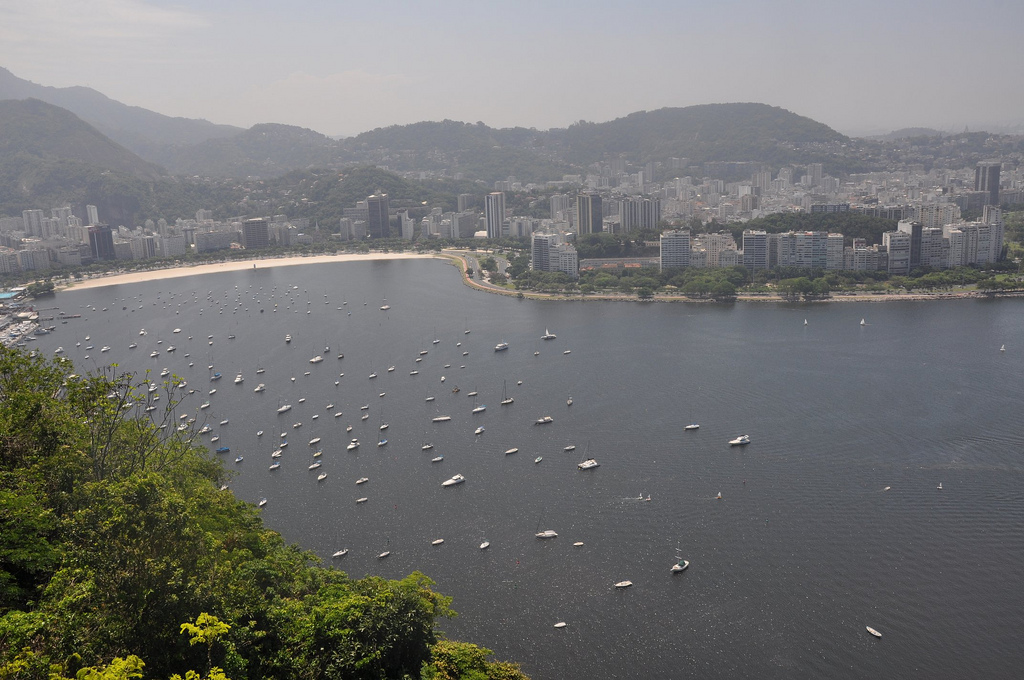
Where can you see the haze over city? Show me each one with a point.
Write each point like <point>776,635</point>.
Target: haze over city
<point>343,67</point>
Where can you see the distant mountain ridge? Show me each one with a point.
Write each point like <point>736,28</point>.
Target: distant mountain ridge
<point>35,129</point>
<point>142,131</point>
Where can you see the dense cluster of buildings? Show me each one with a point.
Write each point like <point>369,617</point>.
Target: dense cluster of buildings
<point>35,242</point>
<point>910,246</point>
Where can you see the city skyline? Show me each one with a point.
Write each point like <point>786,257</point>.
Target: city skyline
<point>337,69</point>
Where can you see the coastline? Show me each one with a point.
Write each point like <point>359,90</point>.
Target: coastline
<point>459,259</point>
<point>233,266</point>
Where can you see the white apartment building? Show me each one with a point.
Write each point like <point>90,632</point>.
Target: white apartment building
<point>675,248</point>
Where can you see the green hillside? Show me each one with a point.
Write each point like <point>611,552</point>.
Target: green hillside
<point>723,132</point>
<point>122,557</point>
<point>36,129</point>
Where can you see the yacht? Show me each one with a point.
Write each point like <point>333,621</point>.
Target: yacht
<point>362,480</point>
<point>338,414</point>
<point>501,346</point>
<point>315,465</point>
<point>437,541</point>
<point>479,430</point>
<point>314,441</point>
<point>284,408</point>
<point>216,376</point>
<point>547,533</point>
<point>679,566</point>
<point>588,464</point>
<point>340,553</point>
<point>568,402</point>
<point>623,584</point>
<point>316,360</point>
<point>364,407</point>
<point>165,372</point>
<point>538,459</point>
<point>544,421</point>
<point>259,388</point>
<point>570,447</point>
<point>364,498</point>
<point>239,379</point>
<point>485,545</point>
<point>426,447</point>
<point>509,452</point>
<point>259,433</point>
<point>321,477</point>
<point>391,369</point>
<point>480,409</point>
<point>263,501</point>
<point>154,354</point>
<point>505,399</point>
<point>382,442</point>
<point>441,419</point>
<point>740,441</point>
<point>863,322</point>
<point>105,348</point>
<point>548,335</point>
<point>288,338</point>
<point>353,445</point>
<point>275,465</point>
<point>437,459</point>
<point>692,426</point>
<point>457,479</point>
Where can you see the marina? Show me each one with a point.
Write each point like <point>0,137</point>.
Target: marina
<point>804,497</point>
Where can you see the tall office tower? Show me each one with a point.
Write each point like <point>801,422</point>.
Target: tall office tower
<point>588,214</point>
<point>986,178</point>
<point>914,230</point>
<point>92,214</point>
<point>560,206</point>
<point>33,220</point>
<point>255,233</point>
<point>815,171</point>
<point>993,216</point>
<point>639,213</point>
<point>101,242</point>
<point>675,248</point>
<point>466,201</point>
<point>494,212</point>
<point>897,245</point>
<point>378,223</point>
<point>203,215</point>
<point>755,249</point>
<point>540,251</point>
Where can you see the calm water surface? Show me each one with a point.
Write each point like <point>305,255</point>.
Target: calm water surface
<point>805,548</point>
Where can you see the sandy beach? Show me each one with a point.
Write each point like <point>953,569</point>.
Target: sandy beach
<point>238,265</point>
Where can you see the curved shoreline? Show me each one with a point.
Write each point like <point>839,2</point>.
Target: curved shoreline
<point>233,266</point>
<point>459,260</point>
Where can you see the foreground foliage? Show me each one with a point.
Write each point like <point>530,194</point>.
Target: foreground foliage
<point>120,557</point>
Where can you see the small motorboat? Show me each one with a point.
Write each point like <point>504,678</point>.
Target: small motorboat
<point>437,541</point>
<point>544,420</point>
<point>679,566</point>
<point>570,447</point>
<point>437,459</point>
<point>588,464</point>
<point>538,459</point>
<point>479,430</point>
<point>561,624</point>
<point>262,502</point>
<point>547,533</point>
<point>362,500</point>
<point>426,447</point>
<point>742,440</point>
<point>873,631</point>
<point>485,545</point>
<point>383,554</point>
<point>623,584</point>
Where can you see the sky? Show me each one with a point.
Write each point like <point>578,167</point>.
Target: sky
<point>342,67</point>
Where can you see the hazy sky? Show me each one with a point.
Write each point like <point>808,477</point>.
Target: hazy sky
<point>342,67</point>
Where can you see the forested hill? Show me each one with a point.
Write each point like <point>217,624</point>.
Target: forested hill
<point>725,132</point>
<point>35,129</point>
<point>122,557</point>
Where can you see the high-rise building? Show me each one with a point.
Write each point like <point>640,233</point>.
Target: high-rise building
<point>897,245</point>
<point>549,254</point>
<point>255,233</point>
<point>834,252</point>
<point>101,242</point>
<point>639,213</point>
<point>913,229</point>
<point>755,249</point>
<point>378,223</point>
<point>803,249</point>
<point>92,214</point>
<point>465,202</point>
<point>33,220</point>
<point>494,212</point>
<point>675,248</point>
<point>986,178</point>
<point>588,214</point>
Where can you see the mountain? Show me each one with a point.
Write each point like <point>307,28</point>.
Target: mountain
<point>265,150</point>
<point>35,129</point>
<point>140,130</point>
<point>722,132</point>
